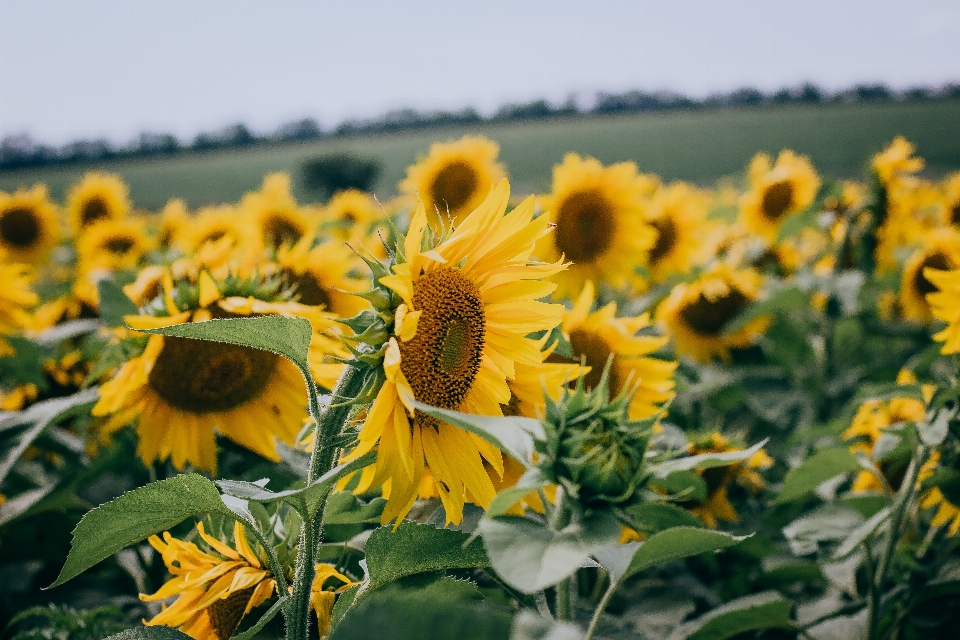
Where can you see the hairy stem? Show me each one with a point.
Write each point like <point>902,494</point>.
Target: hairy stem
<point>604,601</point>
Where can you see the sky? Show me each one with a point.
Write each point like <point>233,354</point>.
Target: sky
<point>72,69</point>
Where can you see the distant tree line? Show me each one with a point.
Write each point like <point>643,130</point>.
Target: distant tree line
<point>23,151</point>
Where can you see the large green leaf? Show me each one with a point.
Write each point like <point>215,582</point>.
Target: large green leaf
<point>150,633</point>
<point>137,515</point>
<point>660,516</point>
<point>531,557</point>
<point>879,521</point>
<point>417,548</point>
<point>623,561</point>
<point>768,610</point>
<point>512,434</point>
<point>346,508</point>
<point>288,337</point>
<point>815,470</point>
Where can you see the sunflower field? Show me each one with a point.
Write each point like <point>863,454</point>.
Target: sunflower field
<point>621,409</point>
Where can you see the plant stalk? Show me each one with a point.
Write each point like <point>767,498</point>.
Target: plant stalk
<point>604,601</point>
<point>564,594</point>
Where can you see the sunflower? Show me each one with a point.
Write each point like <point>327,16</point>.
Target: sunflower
<point>351,213</point>
<point>697,313</point>
<point>113,244</point>
<point>941,251</point>
<point>454,177</point>
<point>598,335</point>
<point>181,391</point>
<point>321,275</point>
<point>777,191</point>
<point>96,198</point>
<point>467,306</point>
<point>219,223</point>
<point>945,306</point>
<point>717,505</point>
<point>947,512</point>
<point>678,213</point>
<point>598,213</point>
<point>28,225</point>
<point>174,221</point>
<point>869,423</point>
<point>16,298</point>
<point>215,587</point>
<point>274,212</point>
<point>896,162</point>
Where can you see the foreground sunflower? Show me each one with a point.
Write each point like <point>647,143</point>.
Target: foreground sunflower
<point>180,391</point>
<point>96,198</point>
<point>598,213</point>
<point>598,335</point>
<point>28,225</point>
<point>468,304</point>
<point>777,191</point>
<point>940,251</point>
<point>696,314</point>
<point>454,177</point>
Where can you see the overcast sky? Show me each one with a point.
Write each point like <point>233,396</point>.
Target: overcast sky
<point>112,68</point>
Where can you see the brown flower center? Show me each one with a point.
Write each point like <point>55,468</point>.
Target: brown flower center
<point>935,261</point>
<point>955,213</point>
<point>595,352</point>
<point>93,210</point>
<point>19,227</point>
<point>442,360</point>
<point>279,229</point>
<point>309,290</point>
<point>777,200</point>
<point>119,245</point>
<point>225,614</point>
<point>585,226</point>
<point>200,376</point>
<point>453,187</point>
<point>667,237</point>
<point>709,317</point>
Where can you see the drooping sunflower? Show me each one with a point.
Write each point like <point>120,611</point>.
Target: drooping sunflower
<point>597,335</point>
<point>717,505</point>
<point>777,190</point>
<point>467,306</point>
<point>940,251</point>
<point>113,244</point>
<point>678,213</point>
<point>180,392</point>
<point>16,297</point>
<point>28,225</point>
<point>696,314</point>
<point>96,198</point>
<point>323,275</point>
<point>598,213</point>
<point>454,177</point>
<point>214,224</point>
<point>350,214</point>
<point>274,213</point>
<point>215,587</point>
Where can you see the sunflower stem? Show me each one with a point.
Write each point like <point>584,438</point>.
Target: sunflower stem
<point>565,598</point>
<point>329,424</point>
<point>604,601</point>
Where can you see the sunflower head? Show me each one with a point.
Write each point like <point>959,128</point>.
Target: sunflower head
<point>945,306</point>
<point>174,221</point>
<point>220,224</point>
<point>16,297</point>
<point>323,275</point>
<point>598,216</point>
<point>678,214</point>
<point>98,197</point>
<point>350,213</point>
<point>592,447</point>
<point>274,213</point>
<point>777,191</point>
<point>28,225</point>
<point>454,177</point>
<point>941,252</point>
<point>113,244</point>
<point>697,314</point>
<point>896,162</point>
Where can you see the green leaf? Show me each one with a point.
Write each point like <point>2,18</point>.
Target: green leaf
<point>136,515</point>
<point>815,470</point>
<point>682,485</point>
<point>288,337</point>
<point>114,303</point>
<point>828,523</point>
<point>530,557</point>
<point>417,548</point>
<point>933,430</point>
<point>768,610</point>
<point>41,416</point>
<point>150,633</point>
<point>783,301</point>
<point>705,460</point>
<point>676,543</point>
<point>513,434</point>
<point>346,508</point>
<point>861,533</point>
<point>532,480</point>
<point>659,516</point>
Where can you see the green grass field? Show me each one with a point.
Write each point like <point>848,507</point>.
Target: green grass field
<point>698,146</point>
